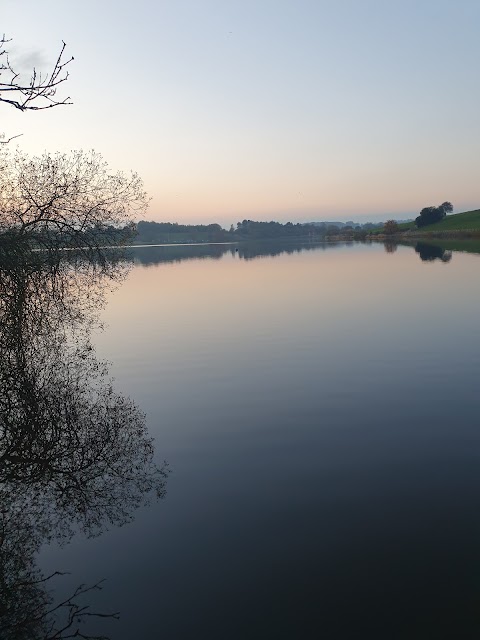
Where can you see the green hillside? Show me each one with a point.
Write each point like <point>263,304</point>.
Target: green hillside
<point>467,221</point>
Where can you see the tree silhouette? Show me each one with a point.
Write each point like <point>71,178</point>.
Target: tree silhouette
<point>447,207</point>
<point>430,215</point>
<point>390,227</point>
<point>67,200</point>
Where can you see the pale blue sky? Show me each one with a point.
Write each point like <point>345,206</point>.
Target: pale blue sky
<point>295,110</point>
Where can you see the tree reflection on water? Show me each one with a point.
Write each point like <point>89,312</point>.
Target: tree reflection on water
<point>430,252</point>
<point>427,251</point>
<point>153,255</point>
<point>75,454</point>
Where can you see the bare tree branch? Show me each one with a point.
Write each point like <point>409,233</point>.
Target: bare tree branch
<point>40,91</point>
<point>75,614</point>
<point>6,141</point>
<point>68,200</point>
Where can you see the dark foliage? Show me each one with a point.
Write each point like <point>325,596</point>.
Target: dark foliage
<point>247,230</point>
<point>430,215</point>
<point>390,227</point>
<point>171,232</point>
<point>251,230</point>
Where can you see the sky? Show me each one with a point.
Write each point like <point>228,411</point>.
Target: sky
<point>294,110</point>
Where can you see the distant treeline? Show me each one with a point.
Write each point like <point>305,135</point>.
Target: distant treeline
<point>172,232</point>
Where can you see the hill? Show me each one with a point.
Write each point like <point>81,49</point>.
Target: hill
<point>457,222</point>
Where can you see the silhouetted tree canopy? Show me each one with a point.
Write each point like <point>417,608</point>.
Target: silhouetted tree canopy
<point>67,200</point>
<point>172,232</point>
<point>247,230</point>
<point>430,215</point>
<point>252,230</point>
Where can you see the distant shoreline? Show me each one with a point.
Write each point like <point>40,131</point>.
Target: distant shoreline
<point>176,244</point>
<point>232,242</point>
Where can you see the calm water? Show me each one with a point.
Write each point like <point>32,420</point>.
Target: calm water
<point>319,412</point>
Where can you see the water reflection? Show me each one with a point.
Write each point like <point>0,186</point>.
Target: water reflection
<point>430,252</point>
<point>246,251</point>
<point>352,520</point>
<point>153,255</point>
<point>75,454</point>
<point>427,251</point>
<point>390,247</point>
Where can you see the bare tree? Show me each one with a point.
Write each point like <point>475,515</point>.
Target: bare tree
<point>40,91</point>
<point>69,200</point>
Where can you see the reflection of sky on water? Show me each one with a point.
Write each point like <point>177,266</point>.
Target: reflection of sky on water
<point>318,411</point>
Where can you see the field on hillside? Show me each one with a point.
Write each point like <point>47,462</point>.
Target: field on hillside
<point>467,221</point>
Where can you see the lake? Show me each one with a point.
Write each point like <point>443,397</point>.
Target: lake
<point>317,407</point>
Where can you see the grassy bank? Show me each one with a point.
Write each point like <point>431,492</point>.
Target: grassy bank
<point>466,223</point>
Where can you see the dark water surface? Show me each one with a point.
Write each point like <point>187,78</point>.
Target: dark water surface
<point>319,412</point>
